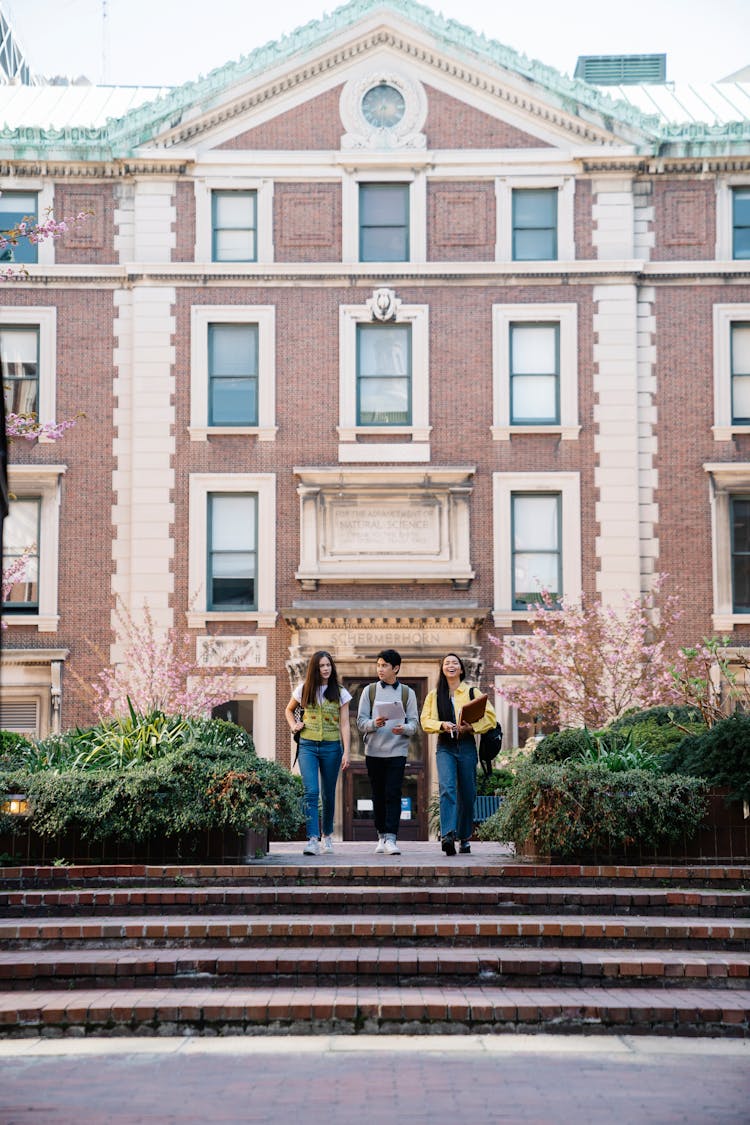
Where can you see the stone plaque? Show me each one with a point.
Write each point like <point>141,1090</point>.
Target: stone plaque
<point>385,529</point>
<point>232,652</point>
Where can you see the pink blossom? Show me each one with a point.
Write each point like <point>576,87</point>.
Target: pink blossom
<point>28,427</point>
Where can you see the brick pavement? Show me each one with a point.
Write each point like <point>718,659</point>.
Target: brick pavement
<point>465,1080</point>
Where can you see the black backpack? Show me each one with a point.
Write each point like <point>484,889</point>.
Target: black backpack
<point>490,744</point>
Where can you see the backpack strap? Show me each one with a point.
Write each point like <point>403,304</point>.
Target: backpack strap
<point>372,688</point>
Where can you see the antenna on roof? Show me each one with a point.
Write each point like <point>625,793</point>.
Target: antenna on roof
<point>105,44</point>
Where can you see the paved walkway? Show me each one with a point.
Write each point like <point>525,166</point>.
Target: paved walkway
<point>396,1080</point>
<point>419,852</point>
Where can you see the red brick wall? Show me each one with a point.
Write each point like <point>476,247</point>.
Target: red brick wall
<point>460,221</point>
<point>184,225</point>
<point>684,220</point>
<point>583,222</point>
<point>92,241</point>
<point>314,125</point>
<point>456,125</point>
<point>307,222</point>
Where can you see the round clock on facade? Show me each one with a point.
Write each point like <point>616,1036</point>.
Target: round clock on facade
<point>383,106</point>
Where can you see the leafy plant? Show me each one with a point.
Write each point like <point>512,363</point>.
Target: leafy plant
<point>495,783</point>
<point>575,809</point>
<point>720,755</point>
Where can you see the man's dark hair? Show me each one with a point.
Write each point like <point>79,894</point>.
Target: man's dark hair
<point>390,656</point>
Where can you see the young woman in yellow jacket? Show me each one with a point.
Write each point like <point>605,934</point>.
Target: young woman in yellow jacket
<point>456,752</point>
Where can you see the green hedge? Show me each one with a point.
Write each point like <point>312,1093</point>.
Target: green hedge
<point>575,809</point>
<point>720,755</point>
<point>212,778</point>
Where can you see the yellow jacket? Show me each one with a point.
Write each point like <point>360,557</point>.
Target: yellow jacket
<point>431,723</point>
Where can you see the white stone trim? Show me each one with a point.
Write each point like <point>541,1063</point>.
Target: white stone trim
<point>233,181</point>
<point>264,485</point>
<point>45,482</point>
<point>504,187</point>
<point>43,317</point>
<point>613,218</point>
<point>648,478</point>
<point>154,220</point>
<point>503,316</point>
<point>724,316</point>
<point>360,134</point>
<point>419,431</point>
<point>350,182</point>
<point>201,317</point>
<point>568,485</point>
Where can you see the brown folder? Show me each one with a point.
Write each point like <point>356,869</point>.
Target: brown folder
<point>473,711</point>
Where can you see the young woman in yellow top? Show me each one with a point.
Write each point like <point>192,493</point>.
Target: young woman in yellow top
<point>323,744</point>
<point>456,752</point>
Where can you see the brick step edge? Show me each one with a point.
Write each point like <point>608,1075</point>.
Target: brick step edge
<point>376,1010</point>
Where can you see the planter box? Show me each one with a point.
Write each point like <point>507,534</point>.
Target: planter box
<point>217,845</point>
<point>723,836</point>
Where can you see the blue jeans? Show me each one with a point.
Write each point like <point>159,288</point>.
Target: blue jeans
<point>319,764</point>
<point>457,781</point>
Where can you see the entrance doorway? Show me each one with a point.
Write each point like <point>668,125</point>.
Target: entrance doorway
<point>358,822</point>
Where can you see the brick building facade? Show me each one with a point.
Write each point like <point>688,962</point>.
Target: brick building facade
<point>374,331</point>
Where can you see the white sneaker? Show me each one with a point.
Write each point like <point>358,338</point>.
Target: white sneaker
<point>381,845</point>
<point>390,847</point>
<point>312,847</point>
<point>327,844</point>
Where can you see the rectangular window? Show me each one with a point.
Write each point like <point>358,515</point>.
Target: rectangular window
<point>740,516</point>
<point>384,222</point>
<point>741,223</point>
<point>232,551</point>
<point>536,546</point>
<point>234,226</point>
<point>534,374</point>
<point>534,224</point>
<point>740,367</point>
<point>233,374</point>
<point>384,375</point>
<point>21,556</point>
<point>18,207</point>
<point>19,366</point>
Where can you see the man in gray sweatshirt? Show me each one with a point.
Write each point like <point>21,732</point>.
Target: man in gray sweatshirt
<point>387,744</point>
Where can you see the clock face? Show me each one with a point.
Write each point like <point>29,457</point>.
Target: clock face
<point>383,106</point>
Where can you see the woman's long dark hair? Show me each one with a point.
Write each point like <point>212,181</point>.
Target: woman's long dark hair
<point>444,709</point>
<point>314,680</point>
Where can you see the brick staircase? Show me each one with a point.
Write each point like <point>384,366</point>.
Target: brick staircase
<point>371,944</point>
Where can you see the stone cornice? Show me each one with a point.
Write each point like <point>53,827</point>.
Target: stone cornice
<point>385,617</point>
<point>27,656</point>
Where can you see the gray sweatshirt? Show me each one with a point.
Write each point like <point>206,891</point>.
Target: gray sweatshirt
<point>381,742</point>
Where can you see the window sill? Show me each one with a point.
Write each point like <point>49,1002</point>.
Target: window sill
<point>264,619</point>
<point>565,433</point>
<point>43,623</point>
<point>726,622</point>
<point>506,617</point>
<point>726,433</point>
<point>416,433</point>
<point>203,433</point>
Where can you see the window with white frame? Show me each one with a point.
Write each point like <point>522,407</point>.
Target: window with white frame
<point>730,536</point>
<point>18,207</point>
<point>232,548</point>
<point>234,226</point>
<point>384,380</point>
<point>233,219</point>
<point>384,217</point>
<point>740,546</point>
<point>731,325</point>
<point>384,222</point>
<point>536,547</point>
<point>537,537</point>
<point>535,370</point>
<point>28,361</point>
<point>31,546</point>
<point>535,218</point>
<point>741,222</point>
<point>233,371</point>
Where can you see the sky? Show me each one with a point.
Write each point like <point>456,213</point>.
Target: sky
<point>167,42</point>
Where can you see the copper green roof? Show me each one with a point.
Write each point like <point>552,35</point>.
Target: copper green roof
<point>648,126</point>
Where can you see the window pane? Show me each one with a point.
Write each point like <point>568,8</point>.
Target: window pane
<point>234,402</point>
<point>235,246</point>
<point>384,351</point>
<point>534,573</point>
<point>234,349</point>
<point>232,555</point>
<point>535,523</point>
<point>384,401</point>
<point>16,207</point>
<point>383,204</point>
<point>534,399</point>
<point>21,538</point>
<point>535,208</point>
<point>742,243</point>
<point>384,375</point>
<point>534,245</point>
<point>233,523</point>
<point>534,349</point>
<point>234,208</point>
<point>742,207</point>
<point>234,226</point>
<point>19,366</point>
<point>741,349</point>
<point>741,554</point>
<point>384,244</point>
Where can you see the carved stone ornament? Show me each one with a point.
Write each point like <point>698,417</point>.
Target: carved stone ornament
<point>399,130</point>
<point>384,304</point>
<point>231,652</point>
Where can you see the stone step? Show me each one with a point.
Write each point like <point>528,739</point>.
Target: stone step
<point>591,931</point>
<point>321,871</point>
<point>509,898</point>
<point>369,1009</point>
<point>385,965</point>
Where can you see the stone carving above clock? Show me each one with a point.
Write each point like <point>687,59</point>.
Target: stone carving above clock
<point>383,109</point>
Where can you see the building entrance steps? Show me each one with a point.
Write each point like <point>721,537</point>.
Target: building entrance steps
<point>358,942</point>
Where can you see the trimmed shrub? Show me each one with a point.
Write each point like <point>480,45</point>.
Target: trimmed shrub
<point>576,809</point>
<point>720,755</point>
<point>660,729</point>
<point>498,781</point>
<point>560,745</point>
